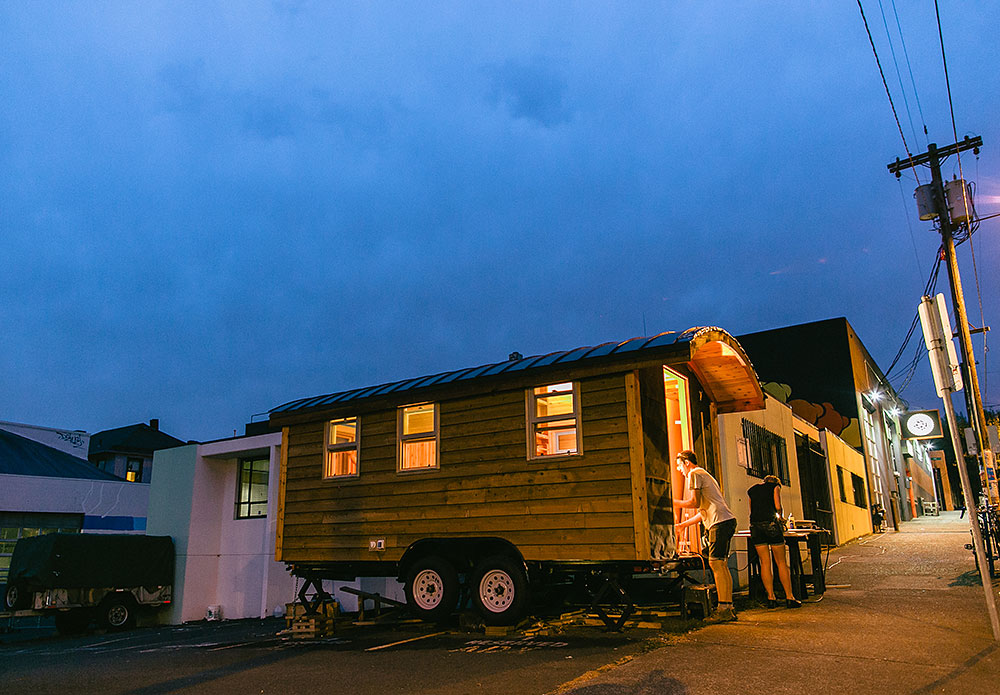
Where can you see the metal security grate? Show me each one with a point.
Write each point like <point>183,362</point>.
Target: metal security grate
<point>766,452</point>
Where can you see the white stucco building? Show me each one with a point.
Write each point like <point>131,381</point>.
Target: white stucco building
<point>217,501</point>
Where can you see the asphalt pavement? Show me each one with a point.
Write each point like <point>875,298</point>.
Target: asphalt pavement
<point>903,613</point>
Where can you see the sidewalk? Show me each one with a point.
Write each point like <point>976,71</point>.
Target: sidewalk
<point>903,613</point>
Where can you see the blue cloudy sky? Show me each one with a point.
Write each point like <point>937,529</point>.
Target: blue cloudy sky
<point>208,209</point>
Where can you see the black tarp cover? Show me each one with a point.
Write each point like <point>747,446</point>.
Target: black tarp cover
<point>89,560</point>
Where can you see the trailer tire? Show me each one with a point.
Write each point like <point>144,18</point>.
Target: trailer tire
<point>16,597</point>
<point>117,611</point>
<point>500,590</point>
<point>432,588</point>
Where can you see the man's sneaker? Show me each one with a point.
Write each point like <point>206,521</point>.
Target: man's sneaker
<point>722,615</point>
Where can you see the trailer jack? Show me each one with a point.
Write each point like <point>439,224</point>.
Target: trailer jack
<point>318,599</point>
<point>610,593</point>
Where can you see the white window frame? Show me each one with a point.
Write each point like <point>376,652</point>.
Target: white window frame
<point>335,448</point>
<point>532,420</point>
<point>403,439</point>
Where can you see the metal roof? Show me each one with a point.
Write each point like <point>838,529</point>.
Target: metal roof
<point>22,456</point>
<point>562,357</point>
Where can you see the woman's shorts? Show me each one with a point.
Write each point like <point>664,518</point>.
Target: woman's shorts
<point>766,533</point>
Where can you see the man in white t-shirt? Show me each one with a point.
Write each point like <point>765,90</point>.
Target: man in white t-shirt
<point>705,495</point>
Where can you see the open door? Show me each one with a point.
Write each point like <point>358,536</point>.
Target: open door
<point>677,395</point>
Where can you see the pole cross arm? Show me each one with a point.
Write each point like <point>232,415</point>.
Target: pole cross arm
<point>973,143</point>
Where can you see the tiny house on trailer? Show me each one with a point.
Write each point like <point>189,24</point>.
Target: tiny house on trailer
<point>506,477</point>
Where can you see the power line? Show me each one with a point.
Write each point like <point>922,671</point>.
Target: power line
<point>954,127</point>
<point>911,369</point>
<point>895,64</point>
<point>909,68</point>
<point>970,227</point>
<point>982,316</point>
<point>947,81</point>
<point>886,86</point>
<point>928,289</point>
<point>909,226</point>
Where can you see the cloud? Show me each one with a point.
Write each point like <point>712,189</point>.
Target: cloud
<point>529,92</point>
<point>182,87</point>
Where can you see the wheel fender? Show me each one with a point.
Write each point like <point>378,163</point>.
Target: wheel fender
<point>463,553</point>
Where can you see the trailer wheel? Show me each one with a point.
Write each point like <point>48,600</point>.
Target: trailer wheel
<point>500,590</point>
<point>117,612</point>
<point>432,588</point>
<point>16,597</point>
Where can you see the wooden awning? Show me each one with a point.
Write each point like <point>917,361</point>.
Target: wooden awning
<point>725,372</point>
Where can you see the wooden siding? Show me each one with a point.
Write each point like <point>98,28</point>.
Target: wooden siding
<point>565,508</point>
<point>637,467</point>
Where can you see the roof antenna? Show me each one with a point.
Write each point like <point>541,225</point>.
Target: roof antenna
<point>644,323</point>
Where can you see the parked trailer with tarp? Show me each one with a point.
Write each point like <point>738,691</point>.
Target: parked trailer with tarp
<point>83,577</point>
<point>497,481</point>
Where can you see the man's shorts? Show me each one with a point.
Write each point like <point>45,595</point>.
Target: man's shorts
<point>719,538</point>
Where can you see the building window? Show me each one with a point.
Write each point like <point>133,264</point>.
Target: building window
<point>765,451</point>
<point>418,437</point>
<point>553,420</point>
<point>133,470</point>
<point>341,448</point>
<point>251,488</point>
<point>858,497</point>
<point>859,491</point>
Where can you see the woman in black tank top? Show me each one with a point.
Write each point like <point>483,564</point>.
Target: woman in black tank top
<point>768,537</point>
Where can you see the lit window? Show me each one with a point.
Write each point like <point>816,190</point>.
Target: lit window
<point>341,448</point>
<point>418,437</point>
<point>133,471</point>
<point>251,488</point>
<point>553,421</point>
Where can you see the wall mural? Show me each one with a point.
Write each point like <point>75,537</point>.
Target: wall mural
<point>822,415</point>
<point>810,368</point>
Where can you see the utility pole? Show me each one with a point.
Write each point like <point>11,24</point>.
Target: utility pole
<point>974,401</point>
<point>936,344</point>
<point>947,380</point>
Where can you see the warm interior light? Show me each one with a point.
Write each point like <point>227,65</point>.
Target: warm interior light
<point>418,437</point>
<point>676,392</point>
<point>554,421</point>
